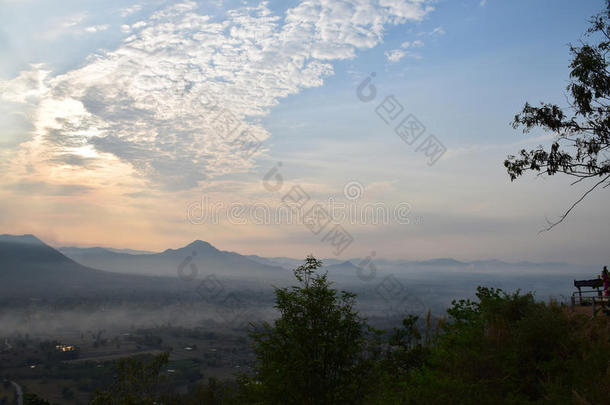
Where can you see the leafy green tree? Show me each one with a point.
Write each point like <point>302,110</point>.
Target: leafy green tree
<point>406,350</point>
<point>581,148</point>
<point>316,351</point>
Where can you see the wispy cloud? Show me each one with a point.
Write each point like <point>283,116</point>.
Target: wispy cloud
<point>96,28</point>
<point>127,11</point>
<point>67,25</point>
<point>395,55</point>
<point>438,31</point>
<point>49,189</point>
<point>412,44</point>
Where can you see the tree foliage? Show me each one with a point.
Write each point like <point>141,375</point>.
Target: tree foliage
<point>510,349</point>
<point>581,148</point>
<point>316,351</point>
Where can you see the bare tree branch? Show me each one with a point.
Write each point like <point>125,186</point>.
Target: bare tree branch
<point>553,224</point>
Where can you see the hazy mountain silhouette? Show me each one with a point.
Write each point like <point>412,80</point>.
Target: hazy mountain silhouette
<point>288,262</point>
<point>29,267</point>
<point>344,268</point>
<point>206,258</point>
<point>441,262</point>
<point>210,259</point>
<point>69,251</point>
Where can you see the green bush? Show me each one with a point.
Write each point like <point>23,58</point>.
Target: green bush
<point>511,349</point>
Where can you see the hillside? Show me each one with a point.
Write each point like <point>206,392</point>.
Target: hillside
<point>31,268</point>
<point>203,255</point>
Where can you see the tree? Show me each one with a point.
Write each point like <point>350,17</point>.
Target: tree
<point>315,353</point>
<point>581,148</point>
<point>511,349</point>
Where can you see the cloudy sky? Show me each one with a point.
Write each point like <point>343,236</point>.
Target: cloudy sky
<point>149,124</point>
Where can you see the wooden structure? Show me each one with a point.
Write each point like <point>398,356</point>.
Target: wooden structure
<point>591,295</point>
<point>593,286</point>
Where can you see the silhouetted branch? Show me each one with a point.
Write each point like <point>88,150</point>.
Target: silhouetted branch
<point>553,224</point>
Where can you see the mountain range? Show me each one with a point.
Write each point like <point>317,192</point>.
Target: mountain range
<point>175,262</point>
<point>27,264</point>
<point>29,267</point>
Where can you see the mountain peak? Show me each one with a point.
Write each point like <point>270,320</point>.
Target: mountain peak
<point>343,265</point>
<point>200,244</point>
<point>27,238</point>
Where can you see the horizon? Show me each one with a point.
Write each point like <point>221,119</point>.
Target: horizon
<point>346,259</point>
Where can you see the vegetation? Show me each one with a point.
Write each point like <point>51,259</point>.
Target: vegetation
<point>498,348</point>
<point>316,352</point>
<point>507,348</point>
<point>581,148</point>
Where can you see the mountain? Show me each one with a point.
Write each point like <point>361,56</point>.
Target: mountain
<point>29,267</point>
<point>288,262</point>
<point>343,269</point>
<point>26,255</point>
<point>441,262</point>
<point>69,251</point>
<point>205,258</point>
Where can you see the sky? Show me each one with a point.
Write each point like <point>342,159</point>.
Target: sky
<point>283,128</point>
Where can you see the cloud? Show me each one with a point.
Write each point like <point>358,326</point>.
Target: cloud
<point>67,25</point>
<point>127,11</point>
<point>71,159</point>
<point>179,97</point>
<point>27,87</point>
<point>412,44</point>
<point>73,20</point>
<point>395,55</point>
<point>438,31</point>
<point>50,189</point>
<point>96,28</point>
